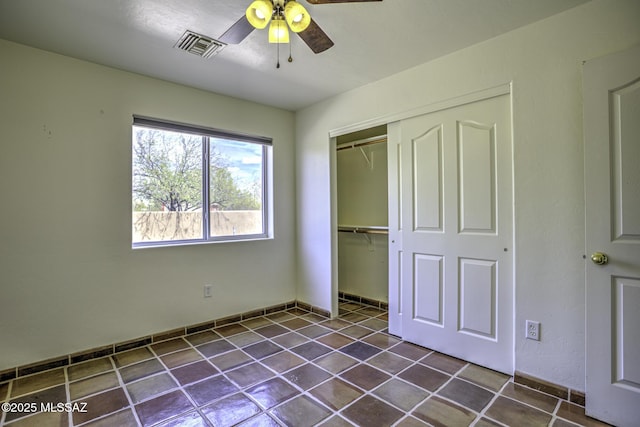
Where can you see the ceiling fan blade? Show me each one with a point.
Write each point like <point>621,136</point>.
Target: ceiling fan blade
<point>237,32</point>
<point>337,1</point>
<point>315,38</point>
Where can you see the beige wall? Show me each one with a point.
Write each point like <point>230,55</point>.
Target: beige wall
<point>543,61</point>
<point>65,159</point>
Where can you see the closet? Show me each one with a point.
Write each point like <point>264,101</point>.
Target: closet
<point>362,205</point>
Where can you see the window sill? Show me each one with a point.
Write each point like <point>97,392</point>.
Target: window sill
<point>147,245</point>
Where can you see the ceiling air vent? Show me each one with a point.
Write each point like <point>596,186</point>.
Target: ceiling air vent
<point>199,45</point>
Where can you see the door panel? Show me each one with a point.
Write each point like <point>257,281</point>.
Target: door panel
<point>428,289</point>
<point>625,103</point>
<point>477,297</point>
<point>611,88</point>
<point>477,177</point>
<point>627,353</point>
<point>427,180</point>
<point>457,250</point>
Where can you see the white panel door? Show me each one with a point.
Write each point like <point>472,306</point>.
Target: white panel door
<point>612,188</point>
<point>457,214</point>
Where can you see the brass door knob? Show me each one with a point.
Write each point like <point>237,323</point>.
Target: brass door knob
<point>599,258</point>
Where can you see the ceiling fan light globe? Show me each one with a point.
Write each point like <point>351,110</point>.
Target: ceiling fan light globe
<point>296,16</point>
<point>259,13</point>
<point>278,31</point>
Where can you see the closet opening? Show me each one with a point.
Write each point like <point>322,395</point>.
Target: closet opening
<point>362,217</point>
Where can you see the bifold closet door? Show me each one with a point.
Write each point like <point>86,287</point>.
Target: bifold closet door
<point>456,262</point>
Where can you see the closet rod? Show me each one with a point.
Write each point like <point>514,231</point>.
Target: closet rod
<point>361,143</point>
<point>363,230</point>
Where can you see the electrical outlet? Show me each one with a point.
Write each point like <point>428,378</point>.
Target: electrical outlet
<point>533,330</point>
<point>208,290</point>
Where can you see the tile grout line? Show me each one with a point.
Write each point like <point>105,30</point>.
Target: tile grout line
<point>364,362</point>
<point>124,390</point>
<point>242,389</point>
<point>67,392</point>
<point>559,401</point>
<point>312,362</point>
<point>302,392</point>
<point>554,414</point>
<point>156,356</point>
<point>3,415</point>
<point>495,397</point>
<point>180,387</point>
<point>408,413</point>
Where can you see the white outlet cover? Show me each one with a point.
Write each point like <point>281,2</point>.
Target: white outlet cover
<point>208,290</point>
<point>532,331</point>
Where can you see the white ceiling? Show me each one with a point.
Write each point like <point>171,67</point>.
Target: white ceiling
<point>372,40</point>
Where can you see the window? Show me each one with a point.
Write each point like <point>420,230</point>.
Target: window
<point>193,184</point>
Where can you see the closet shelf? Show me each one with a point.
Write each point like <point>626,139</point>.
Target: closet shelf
<point>367,229</point>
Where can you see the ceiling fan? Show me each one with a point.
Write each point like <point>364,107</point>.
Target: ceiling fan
<point>284,15</point>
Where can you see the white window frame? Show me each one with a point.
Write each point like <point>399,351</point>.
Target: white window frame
<point>206,133</point>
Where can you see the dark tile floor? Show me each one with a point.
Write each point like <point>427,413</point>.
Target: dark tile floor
<point>290,368</point>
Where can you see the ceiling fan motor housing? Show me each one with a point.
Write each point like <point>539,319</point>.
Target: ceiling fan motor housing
<point>261,12</point>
